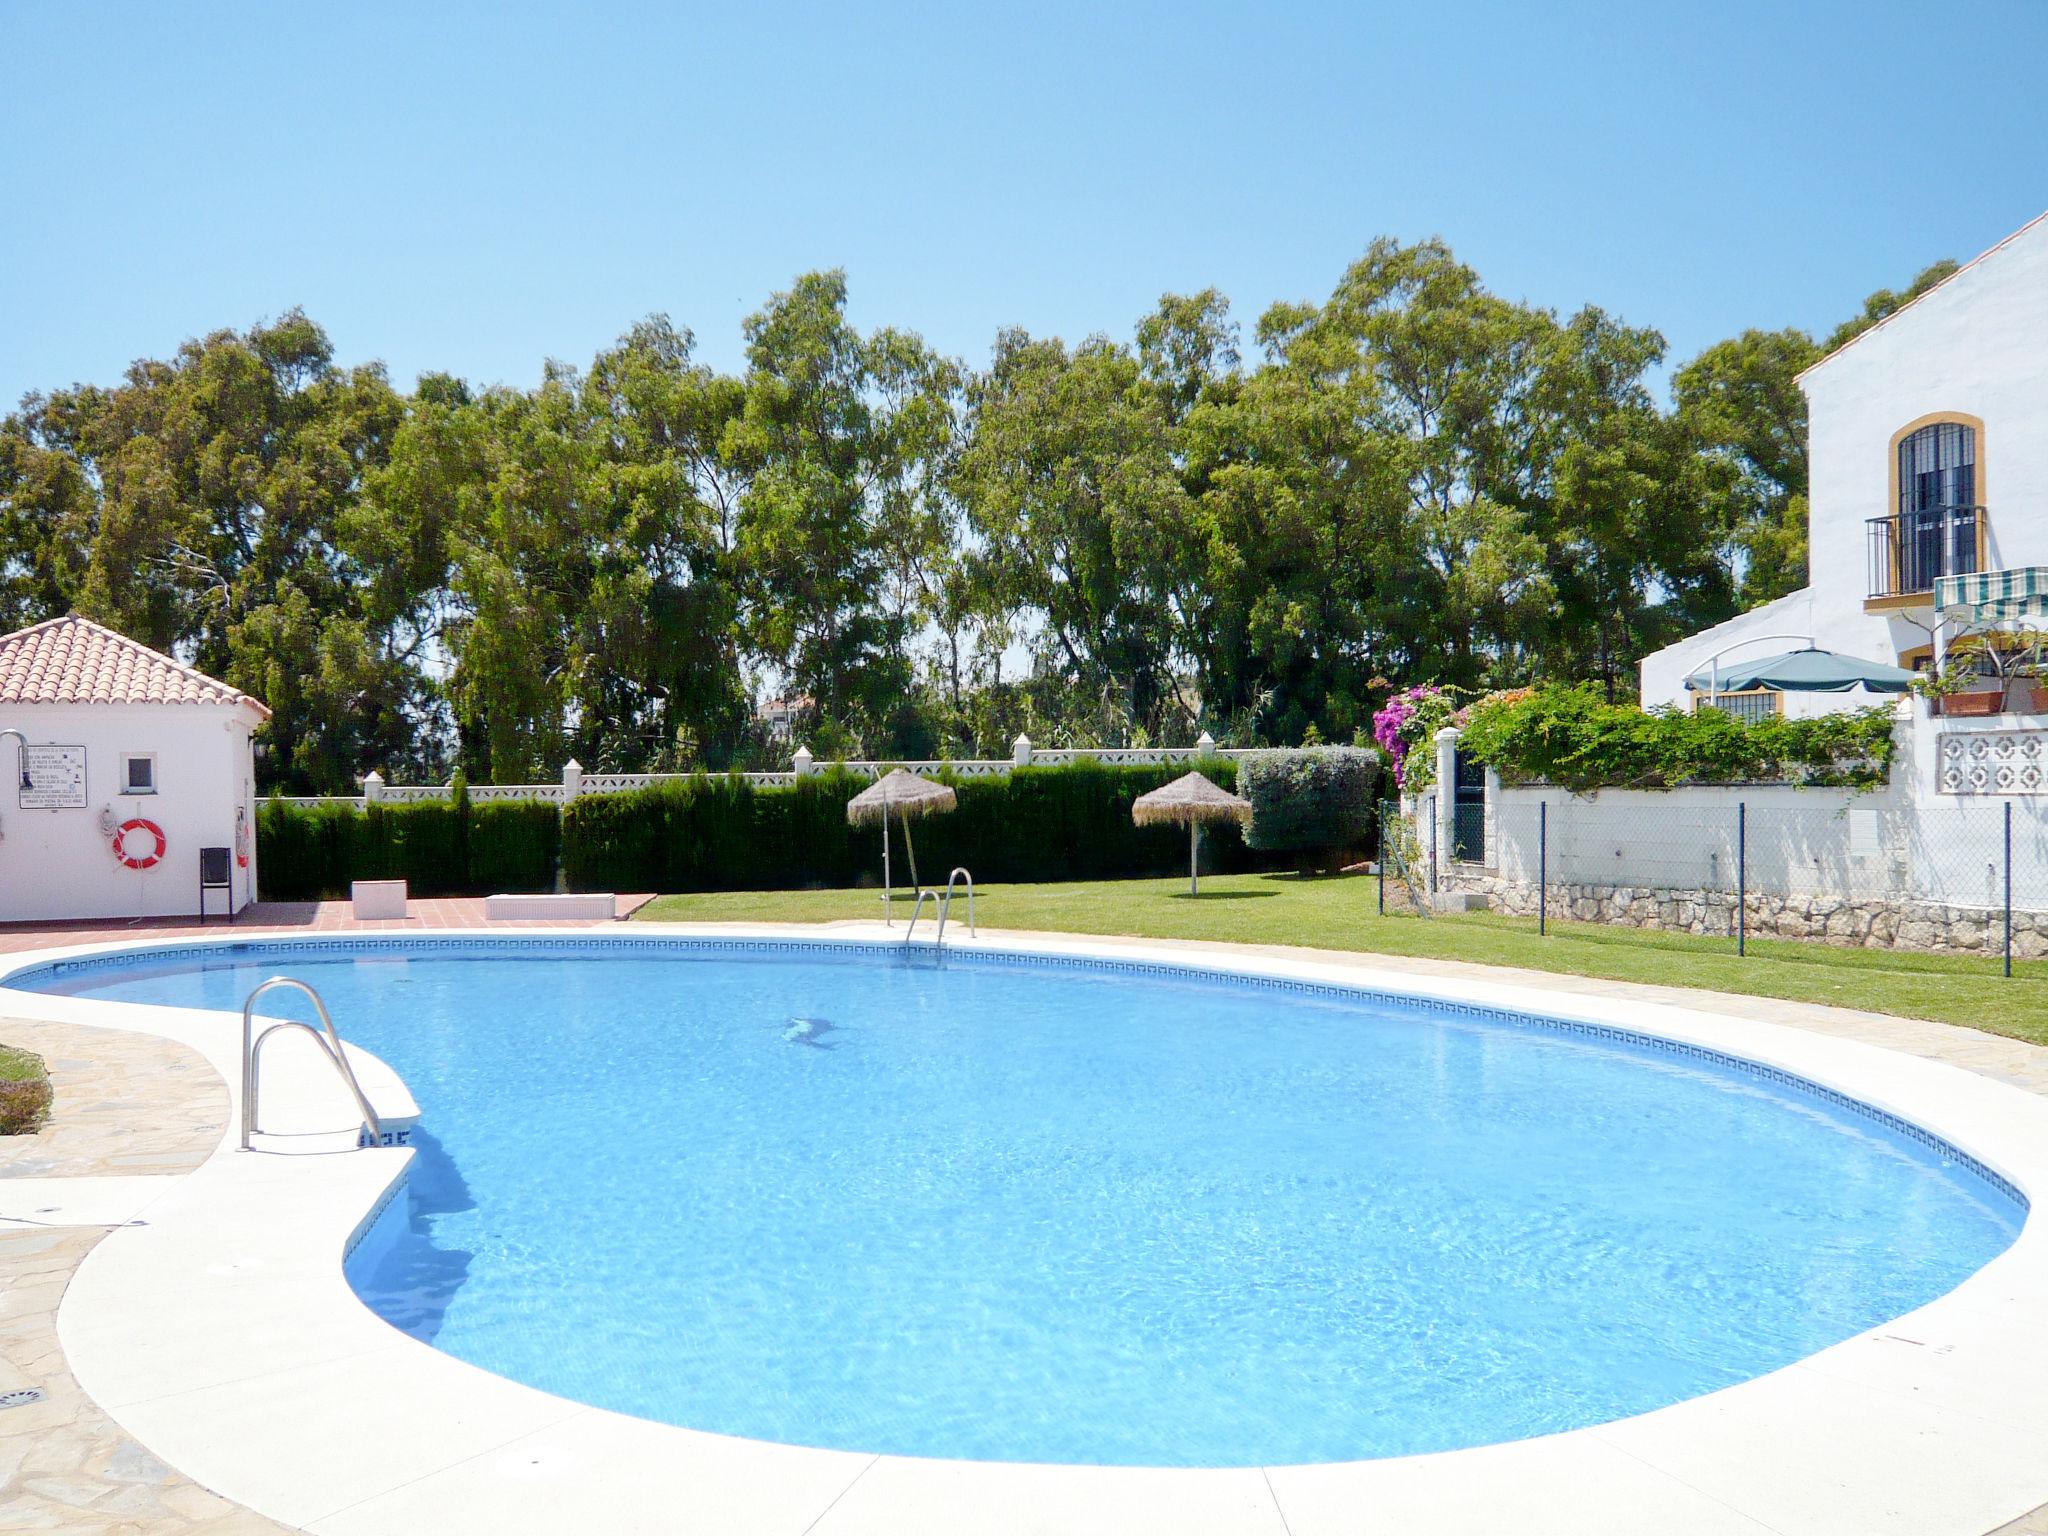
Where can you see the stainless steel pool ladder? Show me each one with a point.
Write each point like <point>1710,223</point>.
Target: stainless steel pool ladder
<point>944,904</point>
<point>252,1046</point>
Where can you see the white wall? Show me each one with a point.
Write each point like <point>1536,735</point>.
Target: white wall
<point>1906,842</point>
<point>1829,844</point>
<point>1977,346</point>
<point>60,864</point>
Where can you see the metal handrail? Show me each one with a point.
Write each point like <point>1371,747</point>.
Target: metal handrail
<point>946,905</point>
<point>252,1046</point>
<point>917,907</point>
<point>1910,550</point>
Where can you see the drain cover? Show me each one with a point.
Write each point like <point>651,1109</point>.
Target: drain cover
<point>22,1398</point>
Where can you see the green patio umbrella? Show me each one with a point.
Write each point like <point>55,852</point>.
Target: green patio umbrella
<point>1805,671</point>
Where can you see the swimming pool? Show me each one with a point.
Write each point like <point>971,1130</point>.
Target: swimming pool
<point>1069,1212</point>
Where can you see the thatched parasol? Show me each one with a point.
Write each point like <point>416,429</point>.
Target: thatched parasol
<point>1191,798</point>
<point>907,795</point>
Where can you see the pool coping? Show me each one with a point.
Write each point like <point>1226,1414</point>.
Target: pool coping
<point>224,1337</point>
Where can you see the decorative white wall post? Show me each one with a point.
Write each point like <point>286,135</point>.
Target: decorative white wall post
<point>572,780</point>
<point>1020,751</point>
<point>803,761</point>
<point>1446,792</point>
<point>373,787</point>
<point>1205,745</point>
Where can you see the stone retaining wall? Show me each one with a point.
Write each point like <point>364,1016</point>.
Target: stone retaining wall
<point>1864,922</point>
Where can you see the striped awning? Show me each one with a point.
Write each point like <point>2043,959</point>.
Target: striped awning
<point>1990,596</point>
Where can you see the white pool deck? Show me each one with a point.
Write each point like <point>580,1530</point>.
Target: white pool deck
<point>217,1329</point>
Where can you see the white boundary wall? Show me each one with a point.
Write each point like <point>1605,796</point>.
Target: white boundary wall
<point>1922,862</point>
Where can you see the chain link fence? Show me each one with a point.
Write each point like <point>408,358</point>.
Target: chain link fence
<point>1876,871</point>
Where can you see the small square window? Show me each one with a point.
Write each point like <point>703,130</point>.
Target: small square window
<point>138,773</point>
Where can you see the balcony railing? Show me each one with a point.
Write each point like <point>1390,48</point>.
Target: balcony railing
<point>1908,551</point>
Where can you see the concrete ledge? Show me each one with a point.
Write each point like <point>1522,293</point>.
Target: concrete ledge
<point>551,908</point>
<point>377,899</point>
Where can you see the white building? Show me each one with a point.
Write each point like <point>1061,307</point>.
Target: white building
<point>1928,446</point>
<point>781,716</point>
<point>118,766</point>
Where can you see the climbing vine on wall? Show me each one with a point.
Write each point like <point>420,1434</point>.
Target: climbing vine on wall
<point>1572,737</point>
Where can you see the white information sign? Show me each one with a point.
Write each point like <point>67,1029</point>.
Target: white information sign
<point>52,779</point>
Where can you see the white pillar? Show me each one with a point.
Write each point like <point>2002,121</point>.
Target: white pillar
<point>572,780</point>
<point>373,787</point>
<point>1205,745</point>
<point>1020,751</point>
<point>1493,805</point>
<point>1446,791</point>
<point>802,762</point>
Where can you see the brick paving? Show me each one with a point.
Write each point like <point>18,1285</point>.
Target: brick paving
<point>313,916</point>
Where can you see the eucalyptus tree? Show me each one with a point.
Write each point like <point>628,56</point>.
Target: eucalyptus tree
<point>1073,488</point>
<point>840,439</point>
<point>1439,370</point>
<point>1741,407</point>
<point>666,684</point>
<point>200,505</point>
<point>1307,562</point>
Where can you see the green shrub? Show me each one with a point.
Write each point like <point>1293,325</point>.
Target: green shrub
<point>1311,801</point>
<point>24,1092</point>
<point>1575,739</point>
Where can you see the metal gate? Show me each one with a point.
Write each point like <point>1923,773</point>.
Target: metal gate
<point>1468,810</point>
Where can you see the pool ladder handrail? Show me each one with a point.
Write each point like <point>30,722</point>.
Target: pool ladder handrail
<point>252,1047</point>
<point>944,905</point>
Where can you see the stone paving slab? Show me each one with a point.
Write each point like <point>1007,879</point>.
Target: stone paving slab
<point>65,1466</point>
<point>123,1104</point>
<point>127,1107</point>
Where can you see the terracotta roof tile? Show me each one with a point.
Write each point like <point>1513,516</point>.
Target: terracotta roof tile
<point>75,661</point>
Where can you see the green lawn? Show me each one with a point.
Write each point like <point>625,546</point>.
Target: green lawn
<point>1339,913</point>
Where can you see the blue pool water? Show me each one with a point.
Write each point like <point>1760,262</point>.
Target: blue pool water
<point>1085,1215</point>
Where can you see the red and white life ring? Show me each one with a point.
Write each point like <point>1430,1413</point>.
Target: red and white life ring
<point>241,837</point>
<point>133,860</point>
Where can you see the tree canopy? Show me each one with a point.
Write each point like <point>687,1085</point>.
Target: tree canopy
<point>1410,478</point>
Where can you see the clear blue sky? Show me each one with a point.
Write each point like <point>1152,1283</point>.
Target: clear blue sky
<point>477,187</point>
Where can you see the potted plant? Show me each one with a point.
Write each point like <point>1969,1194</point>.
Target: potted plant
<point>1972,705</point>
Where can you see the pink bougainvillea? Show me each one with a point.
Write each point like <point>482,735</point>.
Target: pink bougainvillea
<point>1405,721</point>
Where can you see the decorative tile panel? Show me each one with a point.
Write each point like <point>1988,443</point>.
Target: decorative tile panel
<point>1993,763</point>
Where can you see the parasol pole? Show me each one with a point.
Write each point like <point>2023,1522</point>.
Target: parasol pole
<point>888,897</point>
<point>908,847</point>
<point>1194,877</point>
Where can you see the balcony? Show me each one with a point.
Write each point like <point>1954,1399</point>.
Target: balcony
<point>1909,551</point>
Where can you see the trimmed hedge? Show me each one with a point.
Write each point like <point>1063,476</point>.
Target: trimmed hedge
<point>1034,824</point>
<point>723,834</point>
<point>438,848</point>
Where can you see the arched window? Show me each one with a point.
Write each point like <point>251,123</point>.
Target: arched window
<point>1935,527</point>
<point>1938,467</point>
